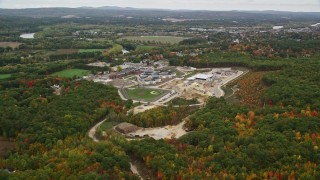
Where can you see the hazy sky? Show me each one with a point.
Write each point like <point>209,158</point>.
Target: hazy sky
<point>286,5</point>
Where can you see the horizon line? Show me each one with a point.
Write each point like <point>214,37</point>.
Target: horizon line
<point>160,9</point>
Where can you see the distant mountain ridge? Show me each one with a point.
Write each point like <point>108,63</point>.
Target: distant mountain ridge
<point>112,11</point>
<point>108,8</point>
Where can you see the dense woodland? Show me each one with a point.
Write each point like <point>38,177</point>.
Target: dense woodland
<point>273,133</point>
<point>55,125</point>
<point>236,143</point>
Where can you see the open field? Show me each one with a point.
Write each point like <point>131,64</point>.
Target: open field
<point>161,39</point>
<point>10,44</point>
<point>144,94</point>
<point>63,51</point>
<point>120,83</point>
<point>90,50</point>
<point>69,73</point>
<point>4,76</point>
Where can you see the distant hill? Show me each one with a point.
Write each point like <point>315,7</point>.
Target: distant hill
<point>113,11</point>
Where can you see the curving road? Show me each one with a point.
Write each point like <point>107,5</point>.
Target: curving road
<point>91,134</point>
<point>93,130</point>
<point>219,92</point>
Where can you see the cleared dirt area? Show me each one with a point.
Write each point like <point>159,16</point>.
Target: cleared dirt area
<point>167,132</point>
<point>188,91</point>
<point>202,89</point>
<point>121,83</point>
<point>5,146</point>
<point>142,108</point>
<point>10,44</point>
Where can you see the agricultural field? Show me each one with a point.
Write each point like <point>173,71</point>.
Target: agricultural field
<point>4,76</point>
<point>10,44</point>
<point>69,73</point>
<point>90,50</point>
<point>160,39</point>
<point>144,94</point>
<point>63,51</point>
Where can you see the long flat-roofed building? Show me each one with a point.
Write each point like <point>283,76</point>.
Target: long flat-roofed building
<point>200,77</point>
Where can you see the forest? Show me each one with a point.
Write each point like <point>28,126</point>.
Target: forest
<point>44,123</point>
<point>238,143</point>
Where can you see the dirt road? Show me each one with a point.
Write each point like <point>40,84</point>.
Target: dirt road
<point>167,132</point>
<point>93,130</point>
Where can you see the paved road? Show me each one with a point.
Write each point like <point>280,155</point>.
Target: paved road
<point>218,92</point>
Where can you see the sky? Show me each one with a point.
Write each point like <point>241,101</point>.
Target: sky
<point>282,5</point>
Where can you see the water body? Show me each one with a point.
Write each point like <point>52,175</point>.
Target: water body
<point>28,35</point>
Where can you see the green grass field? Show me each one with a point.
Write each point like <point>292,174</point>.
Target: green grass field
<point>144,94</point>
<point>90,50</point>
<point>5,76</point>
<point>69,73</point>
<point>161,39</point>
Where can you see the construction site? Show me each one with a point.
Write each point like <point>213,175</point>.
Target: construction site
<point>192,83</point>
<point>186,82</point>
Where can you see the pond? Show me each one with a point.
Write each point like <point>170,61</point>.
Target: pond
<point>27,35</point>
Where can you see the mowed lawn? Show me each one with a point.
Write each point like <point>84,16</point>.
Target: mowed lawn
<point>69,73</point>
<point>161,39</point>
<point>5,76</point>
<point>144,93</point>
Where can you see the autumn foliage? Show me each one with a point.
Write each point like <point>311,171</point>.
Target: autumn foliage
<point>251,88</point>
